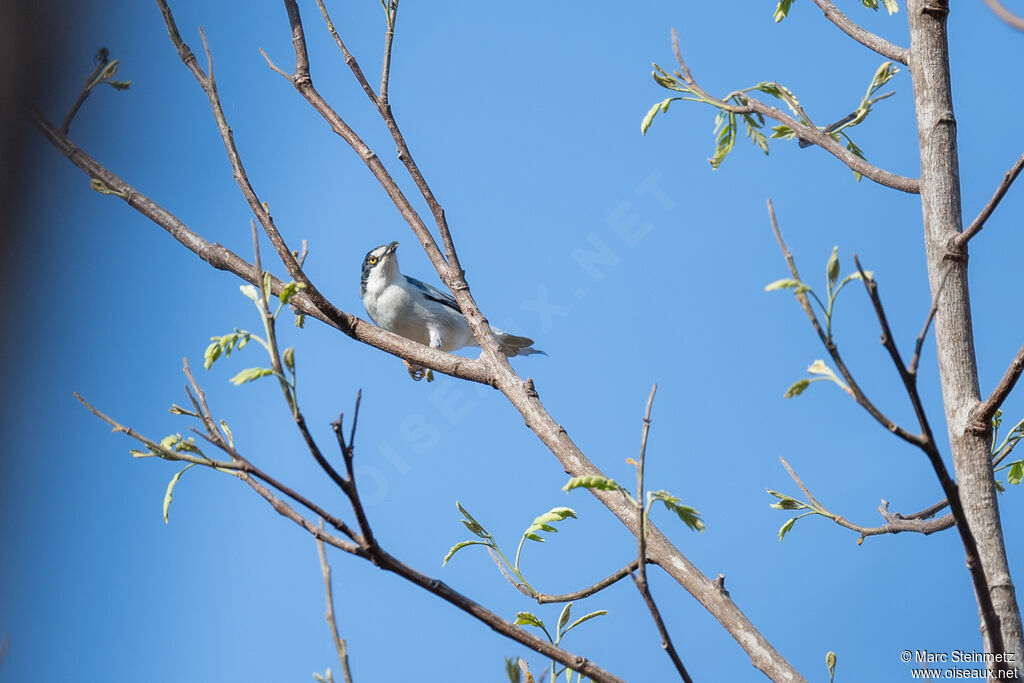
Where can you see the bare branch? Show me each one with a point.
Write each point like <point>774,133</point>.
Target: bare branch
<point>909,380</point>
<point>1005,14</point>
<point>959,242</point>
<point>545,598</point>
<point>339,643</point>
<point>640,579</point>
<point>385,72</point>
<point>982,415</point>
<point>862,36</point>
<point>802,131</point>
<point>949,487</point>
<point>928,320</point>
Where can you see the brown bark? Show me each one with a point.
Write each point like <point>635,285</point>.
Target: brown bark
<point>958,371</point>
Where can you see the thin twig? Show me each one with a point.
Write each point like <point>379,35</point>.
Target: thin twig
<point>640,579</point>
<point>960,241</point>
<point>102,58</point>
<point>981,416</point>
<point>545,598</point>
<point>909,380</point>
<point>943,277</point>
<point>831,347</point>
<point>949,487</point>
<point>385,72</point>
<point>348,484</point>
<point>862,36</point>
<point>802,131</point>
<point>1005,14</point>
<point>339,643</point>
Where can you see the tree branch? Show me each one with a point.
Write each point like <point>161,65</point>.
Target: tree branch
<point>802,131</point>
<point>982,415</point>
<point>1005,14</point>
<point>949,487</point>
<point>640,579</point>
<point>831,347</point>
<point>102,58</point>
<point>339,643</point>
<point>222,258</point>
<point>928,320</point>
<point>862,36</point>
<point>959,242</point>
<point>545,598</point>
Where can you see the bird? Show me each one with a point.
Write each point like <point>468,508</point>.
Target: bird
<point>420,312</point>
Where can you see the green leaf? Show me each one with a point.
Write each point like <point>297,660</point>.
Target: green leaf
<point>563,618</point>
<point>542,523</point>
<point>689,516</point>
<point>1016,473</point>
<point>832,268</point>
<point>798,387</point>
<point>649,116</point>
<point>592,482</point>
<point>474,526</point>
<point>250,292</point>
<point>787,502</point>
<point>512,670</point>
<point>211,354</point>
<point>784,283</point>
<point>170,490</point>
<point>289,358</point>
<point>175,409</point>
<point>527,619</point>
<point>250,374</point>
<point>891,6</point>
<point>782,10</point>
<point>782,132</point>
<point>459,546</point>
<point>785,528</point>
<point>870,4</point>
<point>588,617</point>
<point>290,289</point>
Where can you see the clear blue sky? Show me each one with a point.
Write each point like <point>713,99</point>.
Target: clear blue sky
<point>526,122</point>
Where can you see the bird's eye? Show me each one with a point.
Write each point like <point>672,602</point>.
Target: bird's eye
<point>372,260</point>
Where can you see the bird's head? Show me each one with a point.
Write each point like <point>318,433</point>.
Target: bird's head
<point>379,266</point>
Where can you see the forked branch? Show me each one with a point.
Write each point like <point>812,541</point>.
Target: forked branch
<point>861,35</point>
<point>800,130</point>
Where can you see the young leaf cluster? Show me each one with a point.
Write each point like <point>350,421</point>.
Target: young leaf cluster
<point>891,6</point>
<point>727,122</point>
<point>833,286</point>
<point>688,515</point>
<point>562,627</point>
<point>1000,449</point>
<point>237,340</point>
<point>789,503</point>
<point>541,524</point>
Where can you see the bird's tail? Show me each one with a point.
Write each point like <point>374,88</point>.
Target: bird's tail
<point>513,345</point>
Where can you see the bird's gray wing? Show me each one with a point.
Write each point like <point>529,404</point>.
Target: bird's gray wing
<point>434,294</point>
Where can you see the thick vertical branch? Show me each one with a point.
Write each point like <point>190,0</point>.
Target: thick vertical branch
<point>954,336</point>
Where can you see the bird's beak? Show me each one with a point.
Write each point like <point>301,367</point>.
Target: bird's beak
<point>391,248</point>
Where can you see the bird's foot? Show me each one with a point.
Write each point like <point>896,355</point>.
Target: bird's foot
<point>415,371</point>
<point>418,372</point>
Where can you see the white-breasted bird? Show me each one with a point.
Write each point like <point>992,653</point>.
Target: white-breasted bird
<point>415,310</point>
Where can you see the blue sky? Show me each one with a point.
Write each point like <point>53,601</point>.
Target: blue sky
<point>526,122</point>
